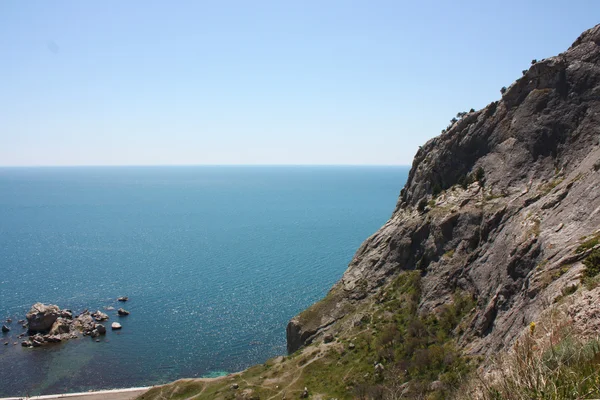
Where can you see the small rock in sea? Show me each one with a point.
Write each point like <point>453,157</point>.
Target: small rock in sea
<point>123,298</point>
<point>97,340</point>
<point>21,321</point>
<point>52,338</point>
<point>8,320</point>
<point>115,326</point>
<point>95,333</point>
<point>101,329</point>
<point>235,386</point>
<point>5,329</point>
<point>6,343</point>
<point>24,326</point>
<point>100,316</point>
<point>122,312</point>
<point>109,308</point>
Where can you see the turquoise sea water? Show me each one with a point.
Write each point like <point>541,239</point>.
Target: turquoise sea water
<point>215,261</point>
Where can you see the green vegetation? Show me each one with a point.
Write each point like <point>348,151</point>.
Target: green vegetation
<point>503,90</point>
<point>391,349</point>
<point>547,187</point>
<point>449,253</point>
<point>592,264</point>
<point>422,204</point>
<point>552,364</point>
<point>589,243</point>
<point>478,176</point>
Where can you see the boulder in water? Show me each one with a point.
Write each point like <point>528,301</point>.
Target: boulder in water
<point>85,323</point>
<point>41,317</point>
<point>115,326</point>
<point>5,329</point>
<point>123,298</point>
<point>100,316</point>
<point>60,326</point>
<point>122,312</point>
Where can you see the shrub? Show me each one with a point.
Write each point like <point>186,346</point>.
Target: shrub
<point>480,175</point>
<point>503,90</point>
<point>592,264</point>
<point>553,365</point>
<point>422,204</point>
<point>534,61</point>
<point>588,244</point>
<point>472,110</point>
<point>524,72</point>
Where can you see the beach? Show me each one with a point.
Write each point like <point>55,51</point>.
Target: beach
<point>114,394</point>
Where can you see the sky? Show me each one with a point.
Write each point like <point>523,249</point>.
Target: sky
<point>258,82</point>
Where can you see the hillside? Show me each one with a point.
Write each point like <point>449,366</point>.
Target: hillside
<point>497,228</point>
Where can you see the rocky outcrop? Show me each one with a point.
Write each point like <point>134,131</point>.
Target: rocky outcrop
<point>49,324</point>
<point>495,207</point>
<point>41,317</point>
<point>85,323</point>
<point>100,316</point>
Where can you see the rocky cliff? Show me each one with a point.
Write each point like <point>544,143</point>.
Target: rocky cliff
<point>495,207</point>
<point>496,229</point>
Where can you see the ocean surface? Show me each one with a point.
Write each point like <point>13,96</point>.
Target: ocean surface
<point>215,261</point>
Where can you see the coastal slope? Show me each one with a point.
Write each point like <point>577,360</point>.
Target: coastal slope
<point>497,226</point>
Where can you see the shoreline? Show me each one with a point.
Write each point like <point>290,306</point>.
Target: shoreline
<point>110,394</point>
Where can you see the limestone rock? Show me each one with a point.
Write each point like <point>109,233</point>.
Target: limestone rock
<point>100,316</point>
<point>60,326</point>
<point>41,317</point>
<point>85,323</point>
<point>115,326</point>
<point>481,206</point>
<point>101,329</point>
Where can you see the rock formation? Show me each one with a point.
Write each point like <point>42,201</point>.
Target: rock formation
<point>41,317</point>
<point>495,207</point>
<point>49,324</point>
<point>495,233</point>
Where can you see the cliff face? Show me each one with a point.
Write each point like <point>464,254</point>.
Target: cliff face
<point>498,222</point>
<point>494,207</point>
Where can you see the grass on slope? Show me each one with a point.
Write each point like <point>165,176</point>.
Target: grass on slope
<point>546,364</point>
<point>392,351</point>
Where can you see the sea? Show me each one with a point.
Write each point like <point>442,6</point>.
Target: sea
<point>215,261</point>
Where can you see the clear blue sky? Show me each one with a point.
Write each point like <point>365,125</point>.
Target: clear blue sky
<point>258,82</point>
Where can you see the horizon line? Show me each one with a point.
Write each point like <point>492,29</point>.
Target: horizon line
<point>200,165</point>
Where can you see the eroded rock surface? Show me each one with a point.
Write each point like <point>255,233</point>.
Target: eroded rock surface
<point>495,206</point>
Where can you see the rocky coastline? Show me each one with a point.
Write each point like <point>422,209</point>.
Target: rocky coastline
<point>46,324</point>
